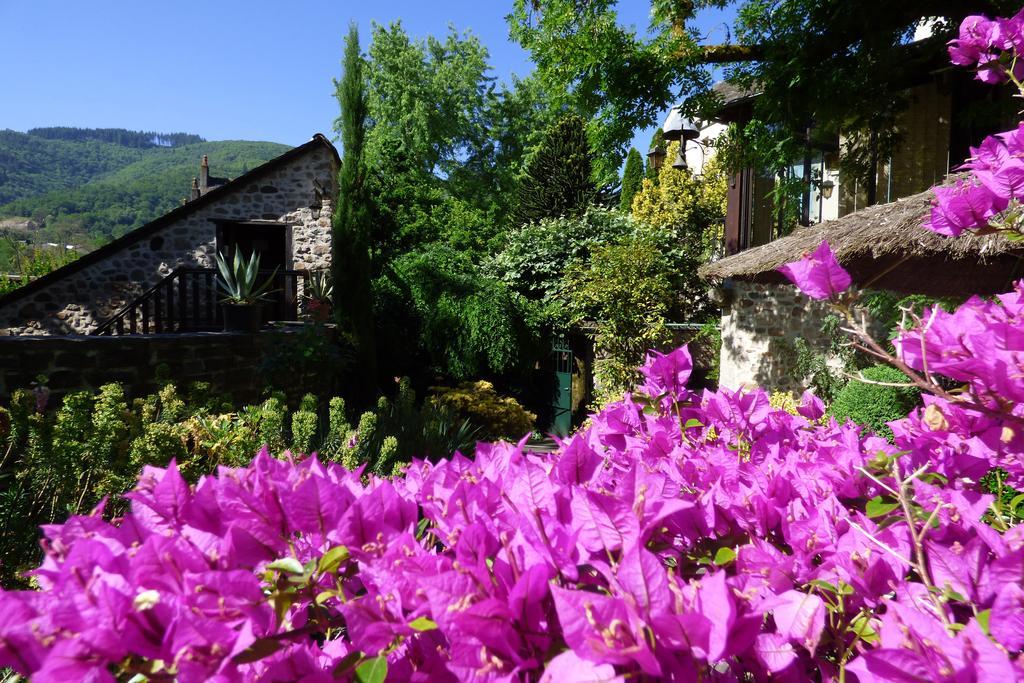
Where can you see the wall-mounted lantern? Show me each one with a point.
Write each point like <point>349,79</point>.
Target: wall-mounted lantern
<point>656,157</point>
<point>827,188</point>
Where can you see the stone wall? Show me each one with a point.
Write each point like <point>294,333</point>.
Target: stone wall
<point>759,330</point>
<point>293,193</point>
<point>229,361</point>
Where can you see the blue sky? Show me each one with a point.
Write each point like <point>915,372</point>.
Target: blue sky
<point>223,69</point>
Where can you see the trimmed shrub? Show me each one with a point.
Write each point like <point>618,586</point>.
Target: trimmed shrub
<point>498,417</point>
<point>873,405</point>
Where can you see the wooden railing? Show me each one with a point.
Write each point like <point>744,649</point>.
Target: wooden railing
<point>188,300</point>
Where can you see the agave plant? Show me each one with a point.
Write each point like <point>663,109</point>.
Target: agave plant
<point>238,280</point>
<point>319,287</point>
<point>316,296</point>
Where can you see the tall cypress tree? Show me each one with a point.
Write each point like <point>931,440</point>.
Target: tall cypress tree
<point>558,179</point>
<point>632,178</point>
<point>350,234</point>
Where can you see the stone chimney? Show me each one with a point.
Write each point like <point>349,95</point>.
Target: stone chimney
<point>204,175</point>
<point>195,189</point>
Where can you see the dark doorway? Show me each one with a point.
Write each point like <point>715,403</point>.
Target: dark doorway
<point>270,240</point>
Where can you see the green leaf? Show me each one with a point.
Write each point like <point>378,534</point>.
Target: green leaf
<point>421,527</point>
<point>423,624</point>
<point>693,423</point>
<point>373,670</point>
<point>861,626</point>
<point>332,559</point>
<point>825,585</point>
<point>983,619</point>
<point>288,565</point>
<point>724,556</point>
<point>878,507</point>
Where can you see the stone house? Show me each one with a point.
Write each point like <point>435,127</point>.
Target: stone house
<point>281,208</point>
<point>883,247</point>
<point>873,228</point>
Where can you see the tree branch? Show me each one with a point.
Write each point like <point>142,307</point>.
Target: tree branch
<point>724,54</point>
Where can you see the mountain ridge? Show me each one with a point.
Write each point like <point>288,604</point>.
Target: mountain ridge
<point>87,191</point>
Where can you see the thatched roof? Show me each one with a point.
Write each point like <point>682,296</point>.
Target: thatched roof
<point>885,247</point>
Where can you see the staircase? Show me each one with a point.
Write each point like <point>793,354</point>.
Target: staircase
<point>188,300</point>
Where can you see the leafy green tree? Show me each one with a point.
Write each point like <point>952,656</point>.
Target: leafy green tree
<point>841,65</point>
<point>632,177</point>
<point>535,255</point>
<point>351,222</point>
<point>438,311</point>
<point>447,143</point>
<point>559,176</point>
<point>624,295</point>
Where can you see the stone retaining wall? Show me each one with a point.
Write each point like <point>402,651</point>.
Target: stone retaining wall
<point>230,361</point>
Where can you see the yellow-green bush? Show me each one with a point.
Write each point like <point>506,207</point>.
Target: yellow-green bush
<point>499,417</point>
<point>783,400</point>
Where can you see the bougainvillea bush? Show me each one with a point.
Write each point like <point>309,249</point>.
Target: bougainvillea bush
<point>682,536</point>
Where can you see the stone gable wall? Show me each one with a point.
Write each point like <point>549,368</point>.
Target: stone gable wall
<point>81,301</point>
<point>759,331</point>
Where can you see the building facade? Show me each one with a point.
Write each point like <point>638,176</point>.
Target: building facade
<point>281,208</point>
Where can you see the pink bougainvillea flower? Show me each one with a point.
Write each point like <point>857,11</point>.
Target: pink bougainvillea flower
<point>978,38</point>
<point>964,206</point>
<point>666,373</point>
<point>818,275</point>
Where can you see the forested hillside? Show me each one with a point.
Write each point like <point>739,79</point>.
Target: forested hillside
<point>31,165</point>
<point>86,186</point>
<point>118,136</point>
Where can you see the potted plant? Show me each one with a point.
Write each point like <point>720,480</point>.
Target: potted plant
<point>316,296</point>
<point>242,304</point>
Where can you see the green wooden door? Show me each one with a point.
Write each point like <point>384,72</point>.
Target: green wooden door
<point>563,361</point>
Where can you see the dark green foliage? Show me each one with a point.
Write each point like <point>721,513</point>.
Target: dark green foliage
<point>402,429</point>
<point>438,310</point>
<point>559,177</point>
<point>117,136</point>
<point>445,146</point>
<point>351,223</point>
<point>632,179</point>
<point>313,358</point>
<point>872,405</point>
<point>535,255</point>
